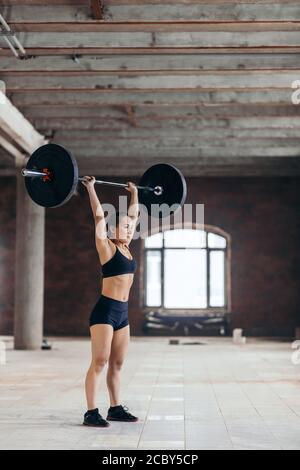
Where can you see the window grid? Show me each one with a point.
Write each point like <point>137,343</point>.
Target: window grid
<point>163,249</point>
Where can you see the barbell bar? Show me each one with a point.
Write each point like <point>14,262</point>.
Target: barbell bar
<point>158,190</point>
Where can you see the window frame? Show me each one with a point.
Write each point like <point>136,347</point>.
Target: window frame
<point>227,274</point>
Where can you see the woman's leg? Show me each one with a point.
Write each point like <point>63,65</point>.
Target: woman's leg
<point>101,336</point>
<point>119,347</point>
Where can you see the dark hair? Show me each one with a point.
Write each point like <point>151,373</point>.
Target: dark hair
<point>114,220</point>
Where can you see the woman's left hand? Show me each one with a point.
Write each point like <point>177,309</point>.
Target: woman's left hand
<point>131,187</point>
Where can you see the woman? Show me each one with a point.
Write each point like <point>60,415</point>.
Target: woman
<point>109,326</point>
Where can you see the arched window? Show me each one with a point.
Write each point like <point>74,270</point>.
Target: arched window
<point>187,269</point>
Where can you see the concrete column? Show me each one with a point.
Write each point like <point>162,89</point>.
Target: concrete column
<point>29,270</point>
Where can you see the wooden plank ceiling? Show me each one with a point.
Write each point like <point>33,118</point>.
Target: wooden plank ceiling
<point>204,84</point>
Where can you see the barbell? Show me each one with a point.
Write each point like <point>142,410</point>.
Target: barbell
<point>51,178</point>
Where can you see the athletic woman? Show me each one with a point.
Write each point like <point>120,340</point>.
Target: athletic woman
<point>109,327</point>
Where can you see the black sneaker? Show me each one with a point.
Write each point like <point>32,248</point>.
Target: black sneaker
<point>120,413</point>
<point>93,418</point>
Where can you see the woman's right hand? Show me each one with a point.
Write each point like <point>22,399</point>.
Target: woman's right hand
<point>88,181</point>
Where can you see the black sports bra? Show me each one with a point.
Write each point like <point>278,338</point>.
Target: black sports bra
<point>119,264</point>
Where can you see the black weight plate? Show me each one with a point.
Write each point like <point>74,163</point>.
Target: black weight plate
<point>61,188</point>
<point>174,188</point>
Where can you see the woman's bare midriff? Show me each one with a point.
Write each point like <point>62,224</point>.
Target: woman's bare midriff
<point>117,287</point>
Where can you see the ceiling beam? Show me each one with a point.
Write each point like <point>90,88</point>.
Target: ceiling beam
<point>120,126</point>
<point>19,130</point>
<point>138,63</point>
<point>11,149</point>
<point>133,136</point>
<point>97,9</point>
<point>263,97</point>
<point>136,50</point>
<point>178,81</point>
<point>146,2</point>
<point>196,26</point>
<point>160,112</point>
<point>207,10</point>
<point>147,11</point>
<point>121,152</point>
<point>60,37</point>
<point>191,78</point>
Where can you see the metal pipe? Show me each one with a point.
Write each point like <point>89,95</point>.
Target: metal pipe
<point>14,38</point>
<point>19,45</point>
<point>4,23</point>
<point>12,48</point>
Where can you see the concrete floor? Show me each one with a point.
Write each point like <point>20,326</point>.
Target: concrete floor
<point>211,396</point>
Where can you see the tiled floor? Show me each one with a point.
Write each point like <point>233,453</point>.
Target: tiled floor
<point>211,396</point>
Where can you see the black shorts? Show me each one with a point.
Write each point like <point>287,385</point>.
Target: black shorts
<point>110,312</point>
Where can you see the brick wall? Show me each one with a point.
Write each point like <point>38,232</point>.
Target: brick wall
<point>261,214</point>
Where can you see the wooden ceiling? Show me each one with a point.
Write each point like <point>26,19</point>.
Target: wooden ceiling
<point>124,84</point>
